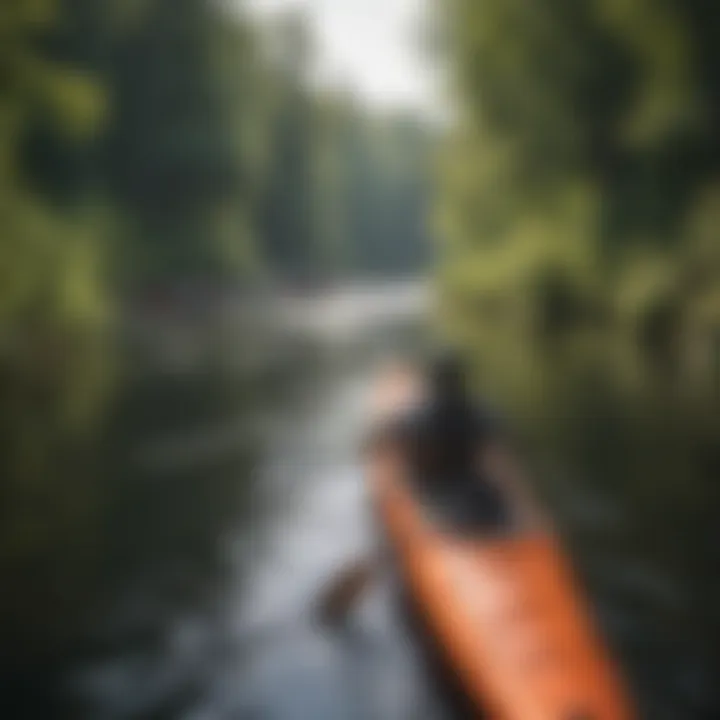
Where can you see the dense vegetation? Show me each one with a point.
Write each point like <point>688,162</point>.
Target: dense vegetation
<point>580,268</point>
<point>146,145</point>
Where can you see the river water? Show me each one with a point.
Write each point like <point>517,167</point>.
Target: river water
<point>245,645</point>
<point>233,492</point>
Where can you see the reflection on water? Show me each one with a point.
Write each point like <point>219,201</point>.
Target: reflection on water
<point>233,492</point>
<point>236,497</point>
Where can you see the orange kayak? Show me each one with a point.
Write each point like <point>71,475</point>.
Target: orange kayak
<point>503,609</point>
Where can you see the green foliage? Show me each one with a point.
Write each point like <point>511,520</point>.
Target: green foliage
<point>583,153</point>
<point>53,307</point>
<point>173,154</point>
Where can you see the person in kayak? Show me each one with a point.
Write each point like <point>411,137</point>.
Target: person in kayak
<point>444,440</point>
<point>455,449</point>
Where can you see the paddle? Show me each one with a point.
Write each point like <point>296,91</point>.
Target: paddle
<point>341,594</point>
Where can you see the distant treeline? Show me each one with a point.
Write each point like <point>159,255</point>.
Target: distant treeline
<point>182,139</point>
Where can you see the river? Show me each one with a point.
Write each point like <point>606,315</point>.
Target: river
<point>233,493</point>
<point>246,644</point>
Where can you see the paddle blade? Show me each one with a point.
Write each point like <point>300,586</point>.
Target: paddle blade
<point>339,597</point>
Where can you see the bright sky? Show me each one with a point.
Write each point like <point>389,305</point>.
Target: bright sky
<point>370,47</point>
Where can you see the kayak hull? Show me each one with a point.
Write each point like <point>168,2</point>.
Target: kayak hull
<point>502,612</point>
